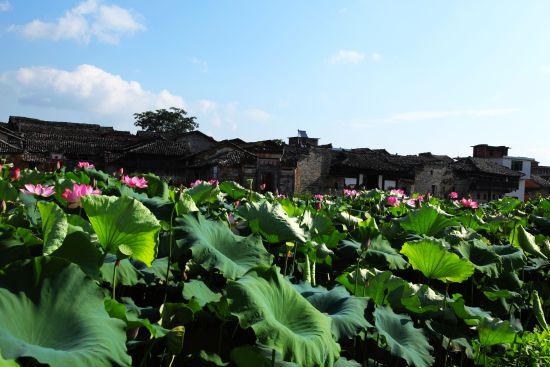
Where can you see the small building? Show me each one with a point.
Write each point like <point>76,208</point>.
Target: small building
<point>481,179</point>
<point>499,154</point>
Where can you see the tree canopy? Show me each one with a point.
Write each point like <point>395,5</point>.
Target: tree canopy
<point>174,120</point>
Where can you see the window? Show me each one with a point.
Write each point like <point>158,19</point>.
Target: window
<point>390,184</point>
<point>517,165</point>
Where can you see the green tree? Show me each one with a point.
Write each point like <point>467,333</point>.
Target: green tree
<point>174,120</point>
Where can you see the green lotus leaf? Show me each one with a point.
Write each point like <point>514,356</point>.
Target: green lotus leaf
<point>380,252</point>
<point>214,246</point>
<point>126,273</point>
<point>50,311</point>
<point>484,257</point>
<point>528,244</point>
<point>366,230</point>
<point>348,219</point>
<point>430,256</point>
<point>7,191</point>
<point>470,315</point>
<point>54,226</point>
<point>356,285</point>
<point>200,291</point>
<point>382,283</point>
<point>282,319</point>
<point>538,311</point>
<point>78,248</point>
<point>402,338</point>
<point>344,362</point>
<point>456,235</point>
<point>233,190</point>
<point>212,358</point>
<point>272,222</point>
<point>204,193</point>
<point>185,204</point>
<point>131,317</point>
<point>156,186</point>
<point>346,312</point>
<point>494,331</point>
<point>451,335</point>
<point>123,224</point>
<point>174,340</point>
<point>420,298</point>
<point>321,224</point>
<point>257,356</point>
<point>7,362</point>
<point>427,221</point>
<point>512,258</point>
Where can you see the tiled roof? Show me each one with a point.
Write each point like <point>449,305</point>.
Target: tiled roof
<point>364,159</point>
<point>7,148</point>
<point>30,125</point>
<point>483,165</point>
<point>540,181</point>
<point>225,154</point>
<point>89,144</point>
<point>265,146</point>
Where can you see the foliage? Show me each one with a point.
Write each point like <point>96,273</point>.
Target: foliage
<point>173,120</point>
<point>217,274</point>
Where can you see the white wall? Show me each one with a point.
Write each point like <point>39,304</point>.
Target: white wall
<point>526,170</point>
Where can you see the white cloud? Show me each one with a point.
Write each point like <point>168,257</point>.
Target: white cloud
<point>206,106</point>
<point>434,115</point>
<point>88,20</point>
<point>375,57</point>
<point>5,5</point>
<point>347,57</point>
<point>87,89</point>
<point>224,116</point>
<point>257,115</point>
<point>545,69</point>
<point>203,65</point>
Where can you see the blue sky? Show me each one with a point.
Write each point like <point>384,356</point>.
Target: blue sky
<point>407,76</point>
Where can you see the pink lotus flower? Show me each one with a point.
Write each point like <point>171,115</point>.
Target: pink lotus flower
<point>195,183</point>
<point>16,174</point>
<point>85,165</point>
<point>351,193</point>
<point>392,201</point>
<point>73,196</point>
<point>420,198</point>
<point>453,195</point>
<point>397,192</point>
<point>135,181</point>
<point>119,172</point>
<point>237,204</point>
<point>38,190</point>
<point>214,182</point>
<point>410,202</point>
<point>468,203</point>
<point>318,197</point>
<point>263,186</point>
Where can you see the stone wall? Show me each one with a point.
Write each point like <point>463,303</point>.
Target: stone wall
<point>436,179</point>
<point>312,171</point>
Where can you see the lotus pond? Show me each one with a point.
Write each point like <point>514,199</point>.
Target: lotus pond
<point>109,270</point>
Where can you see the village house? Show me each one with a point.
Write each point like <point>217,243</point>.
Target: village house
<point>300,166</point>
